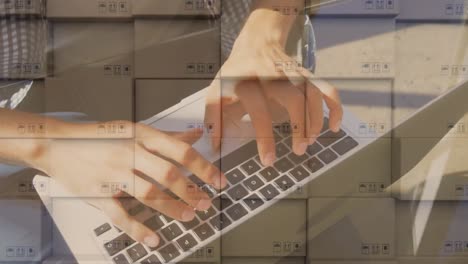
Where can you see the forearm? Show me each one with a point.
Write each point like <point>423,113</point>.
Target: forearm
<point>266,25</point>
<point>25,136</point>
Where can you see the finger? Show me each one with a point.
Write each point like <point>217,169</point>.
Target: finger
<point>190,137</point>
<point>154,197</point>
<point>213,114</point>
<point>293,99</point>
<point>332,99</point>
<point>315,112</point>
<point>169,176</point>
<point>120,217</point>
<point>184,154</point>
<point>254,102</point>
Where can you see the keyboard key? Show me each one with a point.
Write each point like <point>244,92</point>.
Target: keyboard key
<point>314,149</point>
<point>235,176</point>
<point>197,181</point>
<point>220,222</point>
<point>191,224</point>
<point>208,190</point>
<point>253,202</point>
<point>136,252</point>
<point>299,173</point>
<point>269,174</point>
<point>327,156</point>
<point>277,136</point>
<point>253,183</point>
<point>167,218</point>
<point>137,209</point>
<point>102,229</point>
<point>205,215</point>
<point>283,165</point>
<point>281,150</point>
<point>204,231</point>
<point>187,242</point>
<point>345,145</point>
<point>222,202</point>
<point>236,212</point>
<point>330,137</point>
<point>171,232</point>
<point>313,165</point>
<point>237,192</point>
<point>160,245</point>
<point>297,159</point>
<point>237,157</point>
<point>118,244</point>
<point>288,141</point>
<point>169,252</point>
<point>154,223</point>
<point>269,192</point>
<point>250,167</point>
<point>284,183</point>
<point>120,259</point>
<point>326,125</point>
<point>151,260</point>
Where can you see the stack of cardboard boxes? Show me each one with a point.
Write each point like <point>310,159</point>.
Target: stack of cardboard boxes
<point>23,240</point>
<point>123,59</point>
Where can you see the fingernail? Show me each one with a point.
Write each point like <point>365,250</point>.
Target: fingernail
<point>188,215</point>
<point>312,140</point>
<point>219,181</point>
<point>151,241</point>
<point>203,205</point>
<point>269,159</point>
<point>302,148</point>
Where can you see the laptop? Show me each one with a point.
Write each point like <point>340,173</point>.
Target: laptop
<point>252,187</point>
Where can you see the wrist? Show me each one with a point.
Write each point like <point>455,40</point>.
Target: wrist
<point>35,153</point>
<point>264,27</point>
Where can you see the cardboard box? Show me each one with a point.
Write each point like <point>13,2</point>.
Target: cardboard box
<point>22,7</point>
<point>355,47</point>
<point>353,262</point>
<point>438,174</point>
<point>17,183</point>
<point>32,65</point>
<point>278,231</point>
<point>177,48</point>
<point>432,260</point>
<point>427,66</point>
<point>206,8</point>
<point>100,98</point>
<point>89,9</point>
<point>26,231</point>
<point>351,228</point>
<point>433,10</point>
<point>34,102</point>
<point>263,260</point>
<point>432,229</point>
<point>70,232</point>
<point>371,102</point>
<point>365,174</point>
<point>155,96</point>
<point>357,8</point>
<point>109,55</point>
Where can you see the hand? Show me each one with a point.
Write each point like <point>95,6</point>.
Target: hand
<point>250,78</point>
<point>145,164</point>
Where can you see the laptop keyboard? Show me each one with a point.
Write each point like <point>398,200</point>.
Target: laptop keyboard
<point>250,187</point>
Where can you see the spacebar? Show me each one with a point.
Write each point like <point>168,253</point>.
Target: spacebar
<point>237,157</point>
